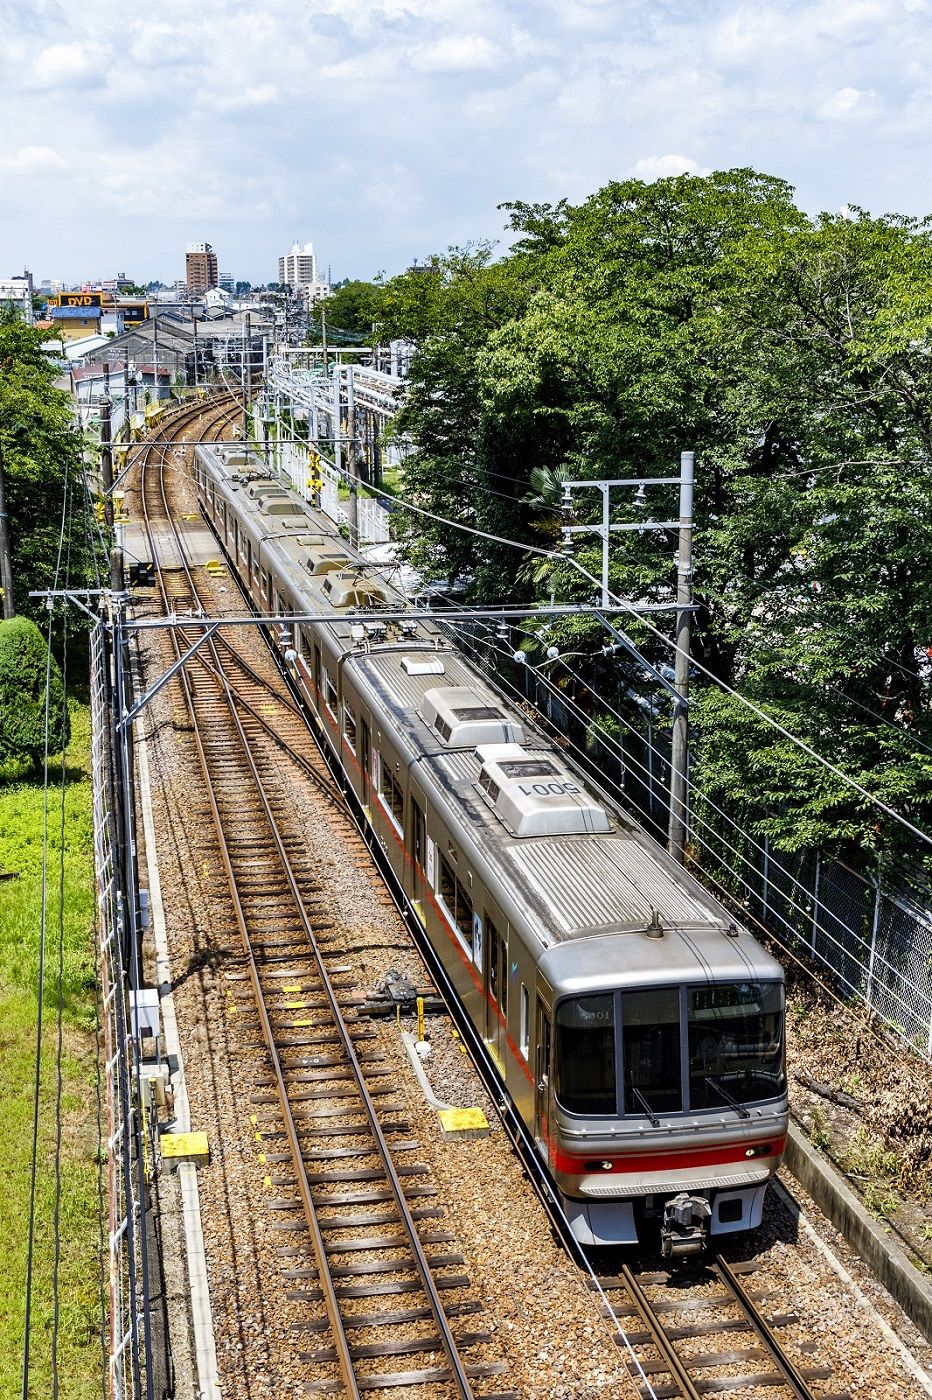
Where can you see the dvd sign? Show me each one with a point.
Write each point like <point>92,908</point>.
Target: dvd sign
<point>81,299</point>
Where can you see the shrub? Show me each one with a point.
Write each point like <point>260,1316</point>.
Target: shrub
<point>24,659</point>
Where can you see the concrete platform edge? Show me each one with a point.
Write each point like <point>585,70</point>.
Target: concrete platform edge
<point>201,1314</point>
<point>887,1261</point>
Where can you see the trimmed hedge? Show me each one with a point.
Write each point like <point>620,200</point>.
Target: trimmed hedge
<point>23,661</point>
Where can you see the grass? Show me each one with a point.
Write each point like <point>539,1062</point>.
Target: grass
<point>21,824</point>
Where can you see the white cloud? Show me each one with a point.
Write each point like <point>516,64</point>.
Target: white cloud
<point>68,66</point>
<point>31,160</point>
<point>456,53</point>
<point>252,124</point>
<point>848,104</point>
<point>650,168</point>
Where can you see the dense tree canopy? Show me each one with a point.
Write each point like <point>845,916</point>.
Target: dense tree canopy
<point>42,469</point>
<point>794,355</point>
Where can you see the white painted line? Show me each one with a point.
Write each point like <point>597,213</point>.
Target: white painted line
<point>920,1375</point>
<point>201,1315</point>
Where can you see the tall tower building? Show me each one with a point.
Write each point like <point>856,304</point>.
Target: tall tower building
<point>200,267</point>
<point>299,267</point>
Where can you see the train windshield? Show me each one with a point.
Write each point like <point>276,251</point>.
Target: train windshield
<point>650,1022</point>
<point>735,1043</point>
<point>585,1054</point>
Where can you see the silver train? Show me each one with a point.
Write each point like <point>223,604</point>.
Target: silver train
<point>637,1029</point>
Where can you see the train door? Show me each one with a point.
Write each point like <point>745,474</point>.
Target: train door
<point>365,765</point>
<point>496,992</point>
<point>542,1090</point>
<point>418,848</point>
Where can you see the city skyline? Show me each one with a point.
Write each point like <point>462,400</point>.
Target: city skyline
<point>386,131</point>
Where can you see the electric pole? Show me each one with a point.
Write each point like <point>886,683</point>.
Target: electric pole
<point>6,558</point>
<point>684,597</point>
<point>352,478</point>
<point>106,460</point>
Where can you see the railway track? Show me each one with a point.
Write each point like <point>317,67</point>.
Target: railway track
<point>359,1224</point>
<point>669,1320</point>
<point>362,1255</point>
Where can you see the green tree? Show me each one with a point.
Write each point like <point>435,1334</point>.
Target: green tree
<point>24,663</point>
<point>794,356</point>
<point>353,307</point>
<point>43,471</point>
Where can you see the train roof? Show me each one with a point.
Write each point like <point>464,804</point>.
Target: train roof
<point>665,957</point>
<point>576,864</point>
<point>603,875</point>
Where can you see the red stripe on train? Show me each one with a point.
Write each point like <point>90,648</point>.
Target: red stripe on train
<point>571,1164</point>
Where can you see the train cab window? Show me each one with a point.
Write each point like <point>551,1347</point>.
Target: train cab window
<point>390,792</point>
<point>456,902</point>
<point>349,725</point>
<point>524,1029</point>
<point>650,1032</point>
<point>735,1043</point>
<point>585,1054</point>
<point>418,834</point>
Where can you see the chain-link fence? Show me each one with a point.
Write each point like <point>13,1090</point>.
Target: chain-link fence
<point>874,940</point>
<point>124,1285</point>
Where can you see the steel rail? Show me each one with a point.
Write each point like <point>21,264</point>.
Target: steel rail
<point>328,1288</point>
<point>791,1376</point>
<point>459,1373</point>
<point>669,1355</point>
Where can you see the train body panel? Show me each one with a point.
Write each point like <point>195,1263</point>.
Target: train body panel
<point>638,1030</point>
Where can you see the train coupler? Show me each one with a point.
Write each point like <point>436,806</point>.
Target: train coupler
<point>685,1228</point>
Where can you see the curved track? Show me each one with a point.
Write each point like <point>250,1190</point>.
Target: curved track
<point>325,1092</point>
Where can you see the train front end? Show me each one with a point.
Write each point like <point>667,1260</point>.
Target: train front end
<point>664,1107</point>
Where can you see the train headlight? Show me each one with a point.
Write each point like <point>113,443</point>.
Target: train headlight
<point>762,1149</point>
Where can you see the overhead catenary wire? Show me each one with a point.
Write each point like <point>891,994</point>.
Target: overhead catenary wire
<point>43,925</point>
<point>631,762</point>
<point>622,605</point>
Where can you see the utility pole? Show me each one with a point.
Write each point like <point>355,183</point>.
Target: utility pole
<point>323,334</point>
<point>684,596</point>
<point>155,355</point>
<point>245,381</point>
<point>106,460</point>
<point>194,323</point>
<point>352,478</point>
<point>6,558</point>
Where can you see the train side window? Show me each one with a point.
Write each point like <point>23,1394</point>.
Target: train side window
<point>349,725</point>
<point>524,1033</point>
<point>456,902</point>
<point>331,700</point>
<point>390,792</point>
<point>418,833</point>
<point>317,670</point>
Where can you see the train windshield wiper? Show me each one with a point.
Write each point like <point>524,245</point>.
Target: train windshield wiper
<point>639,1097</point>
<point>720,1089</point>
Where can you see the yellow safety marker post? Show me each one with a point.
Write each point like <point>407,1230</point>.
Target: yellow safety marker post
<point>184,1147</point>
<point>463,1122</point>
<point>420,1019</point>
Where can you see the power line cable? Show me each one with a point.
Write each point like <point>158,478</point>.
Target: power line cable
<point>43,924</point>
<point>629,761</point>
<point>624,606</point>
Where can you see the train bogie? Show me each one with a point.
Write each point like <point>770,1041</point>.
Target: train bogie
<point>638,1031</point>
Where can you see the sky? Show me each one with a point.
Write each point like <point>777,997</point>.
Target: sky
<point>386,130</point>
